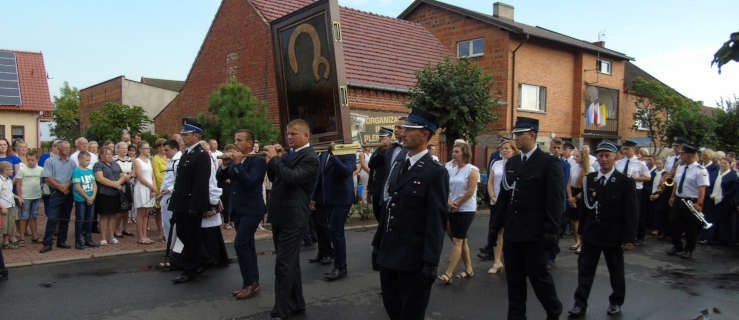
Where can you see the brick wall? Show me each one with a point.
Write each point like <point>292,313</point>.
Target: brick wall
<point>92,98</point>
<point>238,44</point>
<point>451,28</point>
<point>367,99</point>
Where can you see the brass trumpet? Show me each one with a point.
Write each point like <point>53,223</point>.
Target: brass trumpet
<point>697,214</point>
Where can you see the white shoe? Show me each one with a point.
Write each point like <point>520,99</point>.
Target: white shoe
<point>114,241</point>
<point>103,243</point>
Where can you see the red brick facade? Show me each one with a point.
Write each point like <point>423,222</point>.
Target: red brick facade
<point>92,98</point>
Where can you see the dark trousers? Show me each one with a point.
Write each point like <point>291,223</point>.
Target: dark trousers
<point>3,269</point>
<point>709,210</point>
<point>58,212</point>
<point>492,237</point>
<point>288,284</point>
<point>587,263</point>
<point>319,221</point>
<point>188,230</point>
<point>377,206</point>
<point>641,215</point>
<point>337,220</point>
<point>405,294</point>
<point>84,214</point>
<point>529,260</point>
<point>682,221</point>
<point>246,226</point>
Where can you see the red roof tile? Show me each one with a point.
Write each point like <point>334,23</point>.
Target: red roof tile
<point>33,82</point>
<point>378,50</point>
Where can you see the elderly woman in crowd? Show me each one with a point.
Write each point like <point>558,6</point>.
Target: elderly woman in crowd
<point>507,150</point>
<point>126,165</point>
<point>725,195</point>
<point>110,182</point>
<point>144,192</point>
<point>463,178</point>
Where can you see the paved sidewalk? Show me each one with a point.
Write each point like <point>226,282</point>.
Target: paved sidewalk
<point>28,254</point>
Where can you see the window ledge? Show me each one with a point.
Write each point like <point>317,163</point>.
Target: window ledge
<point>531,111</point>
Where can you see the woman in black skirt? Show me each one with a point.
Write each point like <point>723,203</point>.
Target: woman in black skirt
<point>463,178</point>
<point>107,203</point>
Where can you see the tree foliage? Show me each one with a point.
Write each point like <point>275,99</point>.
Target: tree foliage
<point>112,119</point>
<point>458,93</point>
<point>727,125</point>
<point>67,113</point>
<point>693,124</point>
<point>655,106</point>
<point>728,52</point>
<point>233,106</point>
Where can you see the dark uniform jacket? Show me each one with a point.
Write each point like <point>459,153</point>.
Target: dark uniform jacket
<point>335,185</point>
<point>616,220</point>
<point>412,234</point>
<point>378,171</point>
<point>533,208</point>
<point>191,183</point>
<point>246,187</point>
<point>293,181</point>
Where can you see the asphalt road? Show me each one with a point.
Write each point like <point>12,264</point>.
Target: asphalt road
<point>128,287</point>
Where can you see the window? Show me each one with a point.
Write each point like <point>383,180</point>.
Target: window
<point>603,66</point>
<point>471,48</point>
<point>17,132</point>
<point>641,120</point>
<point>533,97</point>
<point>2,131</point>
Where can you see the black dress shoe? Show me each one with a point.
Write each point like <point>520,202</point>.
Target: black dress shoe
<point>182,279</point>
<point>3,276</point>
<point>126,233</point>
<point>45,249</point>
<point>91,244</point>
<point>687,255</point>
<point>314,260</point>
<point>336,274</point>
<point>326,260</point>
<point>79,246</point>
<point>613,309</point>
<point>576,312</point>
<point>485,256</point>
<point>63,246</point>
<point>673,251</point>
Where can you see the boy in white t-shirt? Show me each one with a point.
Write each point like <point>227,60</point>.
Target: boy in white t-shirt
<point>28,186</point>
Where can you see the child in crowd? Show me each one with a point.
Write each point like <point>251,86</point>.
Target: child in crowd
<point>85,190</point>
<point>28,184</point>
<point>7,205</point>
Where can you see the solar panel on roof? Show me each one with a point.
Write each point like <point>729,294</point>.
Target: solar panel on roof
<point>10,93</point>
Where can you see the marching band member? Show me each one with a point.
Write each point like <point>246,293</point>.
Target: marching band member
<point>692,181</point>
<point>635,169</point>
<point>529,207</point>
<point>608,225</point>
<point>412,234</point>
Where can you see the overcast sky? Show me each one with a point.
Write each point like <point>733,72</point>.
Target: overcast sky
<point>85,42</point>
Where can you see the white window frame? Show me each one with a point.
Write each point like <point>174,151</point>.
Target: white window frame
<point>471,47</point>
<point>599,66</point>
<point>539,102</point>
<point>640,125</point>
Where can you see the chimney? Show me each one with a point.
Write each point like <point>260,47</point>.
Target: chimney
<point>601,44</point>
<point>503,10</point>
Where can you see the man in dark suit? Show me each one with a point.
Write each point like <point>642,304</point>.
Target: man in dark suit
<point>607,224</point>
<point>412,233</point>
<point>396,150</point>
<point>293,180</point>
<point>334,195</point>
<point>190,200</point>
<point>247,206</point>
<point>379,170</point>
<point>529,207</point>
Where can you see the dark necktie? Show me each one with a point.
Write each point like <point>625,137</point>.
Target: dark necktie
<point>524,158</point>
<point>290,154</point>
<point>405,167</point>
<point>675,163</point>
<point>626,167</point>
<point>682,179</point>
<point>602,180</point>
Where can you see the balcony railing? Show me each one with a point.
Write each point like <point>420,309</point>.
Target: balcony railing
<point>611,128</point>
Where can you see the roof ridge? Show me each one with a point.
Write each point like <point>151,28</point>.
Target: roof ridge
<point>382,16</point>
<point>22,51</point>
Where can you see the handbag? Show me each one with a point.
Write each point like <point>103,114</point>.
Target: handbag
<point>126,197</point>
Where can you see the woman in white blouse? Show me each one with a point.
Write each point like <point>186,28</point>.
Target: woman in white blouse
<point>507,150</point>
<point>578,170</point>
<point>463,178</point>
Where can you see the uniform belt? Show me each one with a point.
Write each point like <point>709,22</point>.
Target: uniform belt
<point>688,198</point>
